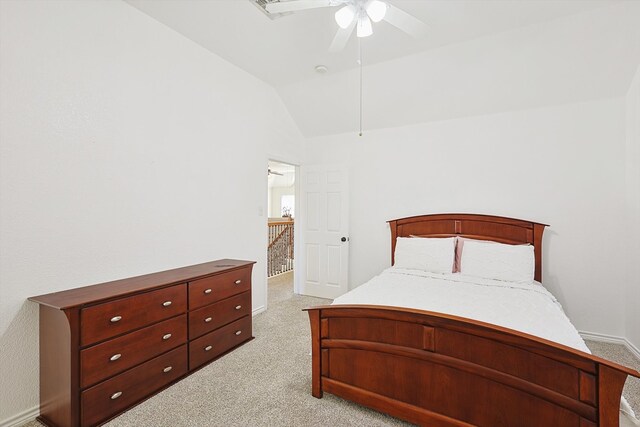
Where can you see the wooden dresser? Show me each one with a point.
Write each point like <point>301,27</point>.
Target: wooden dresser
<point>104,348</point>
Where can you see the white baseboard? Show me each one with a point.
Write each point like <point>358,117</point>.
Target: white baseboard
<point>21,418</point>
<point>593,336</point>
<point>633,349</point>
<point>258,310</point>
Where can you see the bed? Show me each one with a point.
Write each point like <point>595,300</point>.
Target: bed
<point>439,369</point>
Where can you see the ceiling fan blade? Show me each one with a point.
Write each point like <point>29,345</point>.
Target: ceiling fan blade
<point>405,22</point>
<point>294,5</point>
<point>341,38</point>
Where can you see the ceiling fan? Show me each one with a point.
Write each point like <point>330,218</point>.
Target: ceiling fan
<point>355,14</point>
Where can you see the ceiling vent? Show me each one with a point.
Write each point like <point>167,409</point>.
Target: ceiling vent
<point>262,5</point>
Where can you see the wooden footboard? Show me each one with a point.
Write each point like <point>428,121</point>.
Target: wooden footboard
<point>440,370</point>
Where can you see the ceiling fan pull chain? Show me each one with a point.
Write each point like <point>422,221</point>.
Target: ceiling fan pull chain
<point>360,60</point>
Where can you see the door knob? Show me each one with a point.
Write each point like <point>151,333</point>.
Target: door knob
<point>344,239</point>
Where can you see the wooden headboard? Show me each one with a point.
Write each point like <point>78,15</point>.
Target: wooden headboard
<point>474,226</point>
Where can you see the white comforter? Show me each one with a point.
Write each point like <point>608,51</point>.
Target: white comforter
<point>526,308</point>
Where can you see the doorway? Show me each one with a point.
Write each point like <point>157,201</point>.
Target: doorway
<point>281,230</point>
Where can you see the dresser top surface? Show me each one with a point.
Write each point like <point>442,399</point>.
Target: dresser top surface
<point>124,287</point>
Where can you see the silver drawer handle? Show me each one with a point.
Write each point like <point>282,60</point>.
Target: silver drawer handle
<point>207,348</point>
<point>167,369</point>
<point>115,357</point>
<point>115,319</point>
<point>116,395</point>
<point>237,282</point>
<point>166,336</point>
<point>238,307</point>
<point>166,303</point>
<point>208,319</point>
<point>207,291</point>
<point>238,332</point>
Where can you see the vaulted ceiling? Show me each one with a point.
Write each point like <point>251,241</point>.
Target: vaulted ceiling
<point>478,57</point>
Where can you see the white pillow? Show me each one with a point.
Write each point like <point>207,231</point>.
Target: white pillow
<point>424,253</point>
<point>511,263</point>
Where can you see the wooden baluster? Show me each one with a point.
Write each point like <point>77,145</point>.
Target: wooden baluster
<point>270,251</point>
<point>280,250</point>
<point>291,241</point>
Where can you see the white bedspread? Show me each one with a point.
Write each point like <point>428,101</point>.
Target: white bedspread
<point>526,308</point>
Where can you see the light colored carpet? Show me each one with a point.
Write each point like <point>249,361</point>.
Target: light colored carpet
<point>267,381</point>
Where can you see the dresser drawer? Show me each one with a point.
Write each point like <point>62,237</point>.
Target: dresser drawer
<point>217,342</point>
<point>108,398</point>
<point>218,287</point>
<point>211,317</point>
<point>116,355</point>
<point>113,318</point>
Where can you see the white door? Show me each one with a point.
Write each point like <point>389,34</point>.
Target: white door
<point>325,229</point>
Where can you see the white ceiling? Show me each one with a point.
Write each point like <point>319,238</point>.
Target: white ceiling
<point>287,178</point>
<point>478,57</point>
<point>286,50</point>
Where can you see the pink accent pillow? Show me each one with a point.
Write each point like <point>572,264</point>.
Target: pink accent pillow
<point>457,260</point>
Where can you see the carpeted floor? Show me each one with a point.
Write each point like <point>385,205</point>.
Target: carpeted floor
<point>267,381</point>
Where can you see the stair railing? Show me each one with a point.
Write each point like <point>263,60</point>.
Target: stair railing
<point>280,249</point>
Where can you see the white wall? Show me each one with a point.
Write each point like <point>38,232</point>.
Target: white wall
<point>632,224</point>
<point>125,149</point>
<point>560,165</point>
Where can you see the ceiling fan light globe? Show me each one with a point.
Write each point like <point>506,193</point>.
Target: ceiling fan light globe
<point>376,10</point>
<point>344,16</point>
<point>364,28</point>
